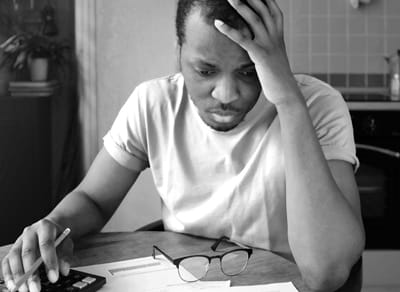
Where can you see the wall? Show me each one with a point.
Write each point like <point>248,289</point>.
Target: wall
<point>135,41</point>
<point>329,36</point>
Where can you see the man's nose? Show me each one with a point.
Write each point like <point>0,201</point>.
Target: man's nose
<point>225,90</point>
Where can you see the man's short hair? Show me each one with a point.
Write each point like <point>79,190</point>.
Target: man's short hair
<point>211,10</point>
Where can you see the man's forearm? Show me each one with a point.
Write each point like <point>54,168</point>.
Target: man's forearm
<point>78,212</point>
<point>323,229</point>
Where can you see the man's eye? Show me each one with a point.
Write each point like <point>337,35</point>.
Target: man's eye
<point>206,72</point>
<point>248,73</point>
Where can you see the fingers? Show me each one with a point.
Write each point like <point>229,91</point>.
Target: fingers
<point>235,35</point>
<point>36,240</point>
<point>34,283</point>
<point>65,257</point>
<point>29,254</point>
<point>7,274</point>
<point>46,241</point>
<point>264,13</point>
<point>55,260</point>
<point>16,267</point>
<point>277,14</point>
<point>253,20</point>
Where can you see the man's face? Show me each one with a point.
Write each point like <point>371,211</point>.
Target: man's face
<point>219,75</point>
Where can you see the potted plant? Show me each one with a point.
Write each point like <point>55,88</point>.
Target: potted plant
<point>35,52</point>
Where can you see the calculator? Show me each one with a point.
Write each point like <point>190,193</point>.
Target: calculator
<point>74,282</point>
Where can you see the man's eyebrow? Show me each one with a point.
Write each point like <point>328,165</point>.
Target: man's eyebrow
<point>205,63</point>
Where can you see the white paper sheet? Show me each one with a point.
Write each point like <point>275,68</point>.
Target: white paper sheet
<point>147,275</point>
<point>160,275</point>
<point>276,287</point>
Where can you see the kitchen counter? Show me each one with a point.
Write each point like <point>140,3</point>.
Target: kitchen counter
<point>374,105</point>
<point>369,99</point>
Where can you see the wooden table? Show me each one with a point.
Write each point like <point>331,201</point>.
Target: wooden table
<point>264,266</point>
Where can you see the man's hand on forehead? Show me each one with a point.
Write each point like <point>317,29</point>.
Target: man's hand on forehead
<point>264,19</point>
<point>266,46</point>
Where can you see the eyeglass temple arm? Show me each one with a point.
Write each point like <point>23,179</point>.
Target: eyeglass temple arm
<point>155,247</point>
<point>215,245</point>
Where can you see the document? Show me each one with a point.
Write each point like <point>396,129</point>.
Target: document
<point>160,275</point>
<point>276,287</point>
<point>147,275</point>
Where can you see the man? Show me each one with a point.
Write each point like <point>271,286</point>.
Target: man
<point>234,140</point>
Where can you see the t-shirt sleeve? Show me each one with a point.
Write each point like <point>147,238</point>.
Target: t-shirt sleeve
<point>334,129</point>
<point>126,140</point>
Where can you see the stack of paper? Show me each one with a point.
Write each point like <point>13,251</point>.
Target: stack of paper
<point>33,88</point>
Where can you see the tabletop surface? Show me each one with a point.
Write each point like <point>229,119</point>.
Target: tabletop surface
<point>263,267</point>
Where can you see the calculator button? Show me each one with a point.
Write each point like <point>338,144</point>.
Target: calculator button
<point>80,285</point>
<point>76,276</point>
<point>88,280</point>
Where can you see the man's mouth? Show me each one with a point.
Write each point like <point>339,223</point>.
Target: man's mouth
<point>221,116</point>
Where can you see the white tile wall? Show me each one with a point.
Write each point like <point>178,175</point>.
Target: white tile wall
<point>329,36</point>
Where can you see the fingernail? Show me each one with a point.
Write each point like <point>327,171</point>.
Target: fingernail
<point>33,287</point>
<point>65,268</point>
<point>23,288</point>
<point>10,285</point>
<point>52,275</point>
<point>218,22</point>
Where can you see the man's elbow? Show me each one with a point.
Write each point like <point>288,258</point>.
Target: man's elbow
<point>326,278</point>
<point>329,273</point>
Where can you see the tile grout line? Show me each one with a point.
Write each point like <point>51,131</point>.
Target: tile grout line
<point>328,42</point>
<point>347,46</point>
<point>385,43</point>
<point>366,58</point>
<point>309,66</point>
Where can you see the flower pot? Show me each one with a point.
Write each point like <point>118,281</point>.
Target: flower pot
<point>38,69</point>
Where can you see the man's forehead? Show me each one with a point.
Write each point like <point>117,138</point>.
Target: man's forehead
<point>199,14</point>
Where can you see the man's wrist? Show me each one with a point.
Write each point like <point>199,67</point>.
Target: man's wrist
<point>292,102</point>
<point>56,222</point>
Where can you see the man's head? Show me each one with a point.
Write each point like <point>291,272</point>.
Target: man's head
<point>219,75</point>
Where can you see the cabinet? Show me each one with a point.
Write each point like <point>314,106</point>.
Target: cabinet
<point>25,163</point>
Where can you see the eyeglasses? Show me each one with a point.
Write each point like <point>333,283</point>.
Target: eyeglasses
<point>195,267</point>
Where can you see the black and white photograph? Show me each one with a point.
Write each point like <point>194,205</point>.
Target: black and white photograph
<point>187,145</point>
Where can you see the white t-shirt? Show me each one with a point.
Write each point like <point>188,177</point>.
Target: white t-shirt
<point>216,183</point>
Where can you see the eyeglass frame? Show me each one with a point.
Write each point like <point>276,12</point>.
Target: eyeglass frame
<point>214,247</point>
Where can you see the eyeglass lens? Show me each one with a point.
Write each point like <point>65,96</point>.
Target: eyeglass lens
<point>234,263</point>
<point>195,268</point>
